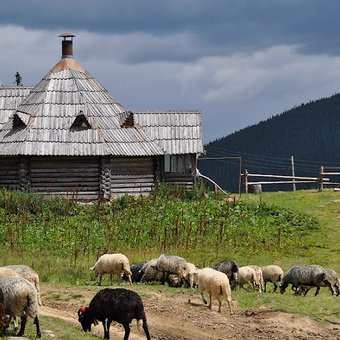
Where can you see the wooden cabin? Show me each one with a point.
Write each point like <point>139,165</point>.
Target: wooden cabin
<point>68,136</point>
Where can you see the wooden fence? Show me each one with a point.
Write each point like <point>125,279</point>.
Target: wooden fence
<point>284,179</point>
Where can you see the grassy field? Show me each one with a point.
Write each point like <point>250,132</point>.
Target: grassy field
<point>317,245</point>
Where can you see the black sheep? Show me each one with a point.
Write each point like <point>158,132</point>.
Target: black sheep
<point>136,271</point>
<point>120,305</point>
<point>228,267</point>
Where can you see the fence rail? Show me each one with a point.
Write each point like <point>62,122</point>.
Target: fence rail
<point>292,180</point>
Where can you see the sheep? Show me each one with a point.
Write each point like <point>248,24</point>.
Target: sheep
<point>247,275</point>
<point>120,305</point>
<point>29,274</point>
<point>150,272</point>
<point>273,274</point>
<point>20,299</point>
<point>310,275</point>
<point>259,283</point>
<point>190,279</point>
<point>332,277</point>
<point>230,268</point>
<point>136,272</point>
<point>112,264</point>
<point>6,272</point>
<point>216,284</point>
<point>172,264</point>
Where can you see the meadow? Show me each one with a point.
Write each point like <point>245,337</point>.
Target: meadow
<point>62,239</point>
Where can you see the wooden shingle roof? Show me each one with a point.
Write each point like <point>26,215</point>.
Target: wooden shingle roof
<point>10,98</point>
<point>53,105</point>
<point>176,131</point>
<point>68,113</point>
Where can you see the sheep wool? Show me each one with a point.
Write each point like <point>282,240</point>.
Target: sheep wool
<point>230,268</point>
<point>120,305</point>
<point>310,275</point>
<point>113,264</point>
<point>272,273</point>
<point>216,284</point>
<point>246,275</point>
<point>20,300</point>
<point>29,274</point>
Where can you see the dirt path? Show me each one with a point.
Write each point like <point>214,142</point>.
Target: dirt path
<point>171,317</point>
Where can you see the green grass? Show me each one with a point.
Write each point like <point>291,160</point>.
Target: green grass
<point>56,328</point>
<point>61,240</point>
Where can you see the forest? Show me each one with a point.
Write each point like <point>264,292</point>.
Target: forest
<point>309,133</point>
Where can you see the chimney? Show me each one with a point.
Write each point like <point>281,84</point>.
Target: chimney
<point>67,45</point>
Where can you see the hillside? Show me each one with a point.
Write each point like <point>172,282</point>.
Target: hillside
<point>309,132</point>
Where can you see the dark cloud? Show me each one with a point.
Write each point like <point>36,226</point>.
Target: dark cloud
<point>218,26</point>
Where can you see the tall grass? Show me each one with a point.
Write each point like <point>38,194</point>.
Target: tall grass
<point>62,238</point>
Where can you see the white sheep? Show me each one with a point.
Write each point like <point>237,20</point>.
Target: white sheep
<point>29,274</point>
<point>272,273</point>
<point>247,275</point>
<point>20,300</point>
<point>6,272</point>
<point>216,284</point>
<point>113,264</point>
<point>190,276</point>
<point>259,284</point>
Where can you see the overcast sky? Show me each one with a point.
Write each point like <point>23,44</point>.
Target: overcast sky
<point>239,61</point>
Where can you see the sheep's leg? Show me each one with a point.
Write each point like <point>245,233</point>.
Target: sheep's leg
<point>23,325</point>
<point>230,305</point>
<point>203,299</point>
<point>100,280</point>
<point>106,331</point>
<point>317,291</point>
<point>146,329</point>
<point>210,301</point>
<point>37,325</point>
<point>127,331</point>
<point>219,306</point>
<point>275,287</point>
<point>265,287</point>
<point>111,279</point>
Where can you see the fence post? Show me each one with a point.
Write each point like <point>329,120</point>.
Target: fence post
<point>321,179</point>
<point>293,172</point>
<point>246,181</point>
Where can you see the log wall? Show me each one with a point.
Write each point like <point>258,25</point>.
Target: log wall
<point>9,172</point>
<point>133,176</point>
<point>70,177</point>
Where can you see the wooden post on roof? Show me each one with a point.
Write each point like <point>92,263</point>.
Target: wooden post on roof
<point>246,181</point>
<point>321,179</point>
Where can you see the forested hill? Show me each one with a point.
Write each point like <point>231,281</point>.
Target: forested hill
<point>310,133</point>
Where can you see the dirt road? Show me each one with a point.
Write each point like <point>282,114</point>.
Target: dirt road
<point>172,317</point>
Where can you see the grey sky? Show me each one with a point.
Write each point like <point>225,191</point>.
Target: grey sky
<point>238,61</point>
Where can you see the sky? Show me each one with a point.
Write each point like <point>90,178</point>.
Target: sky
<point>238,61</point>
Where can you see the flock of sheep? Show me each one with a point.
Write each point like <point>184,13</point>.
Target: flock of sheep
<point>20,291</point>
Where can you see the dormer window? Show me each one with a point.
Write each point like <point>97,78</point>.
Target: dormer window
<point>80,123</point>
<point>129,121</point>
<point>20,120</point>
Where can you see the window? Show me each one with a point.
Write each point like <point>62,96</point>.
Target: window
<point>80,123</point>
<point>177,163</point>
